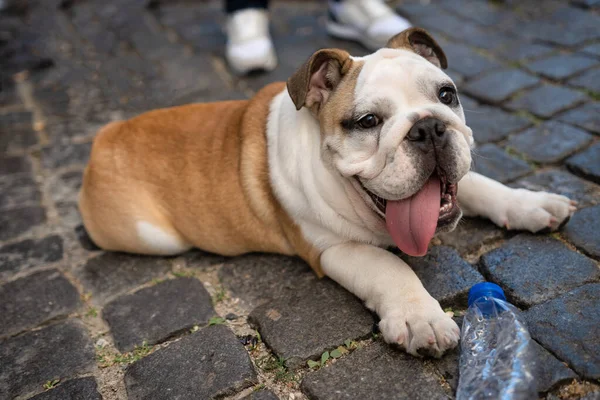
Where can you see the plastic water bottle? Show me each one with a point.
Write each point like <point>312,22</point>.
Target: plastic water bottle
<point>495,359</point>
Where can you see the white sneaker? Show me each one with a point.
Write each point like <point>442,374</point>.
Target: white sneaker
<point>370,22</point>
<point>249,46</point>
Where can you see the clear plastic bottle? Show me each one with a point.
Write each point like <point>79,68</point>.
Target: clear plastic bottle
<point>496,357</point>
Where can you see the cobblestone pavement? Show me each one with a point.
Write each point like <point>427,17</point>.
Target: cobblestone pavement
<point>79,323</point>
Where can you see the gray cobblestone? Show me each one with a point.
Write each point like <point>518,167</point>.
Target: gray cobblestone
<point>550,142</point>
<point>15,121</point>
<point>292,326</point>
<point>65,187</point>
<point>460,29</point>
<point>498,86</point>
<point>586,3</point>
<point>173,372</point>
<point>582,230</point>
<point>586,116</point>
<point>111,274</point>
<point>469,103</point>
<point>561,66</point>
<point>548,370</point>
<point>153,314</point>
<point>587,163</point>
<point>466,61</point>
<point>414,9</point>
<point>374,370</point>
<point>27,302</point>
<point>18,191</point>
<point>547,100</point>
<point>484,13</point>
<point>491,124</point>
<point>61,155</point>
<point>471,235</point>
<point>261,395</point>
<point>493,162</point>
<point>20,220</point>
<point>517,50</point>
<point>58,351</point>
<point>561,20</point>
<point>259,278</point>
<point>75,389</point>
<point>199,26</point>
<point>534,269</point>
<point>14,165</point>
<point>589,80</point>
<point>445,275</point>
<point>569,326</point>
<point>16,139</point>
<point>593,49</point>
<point>17,257</point>
<point>68,213</point>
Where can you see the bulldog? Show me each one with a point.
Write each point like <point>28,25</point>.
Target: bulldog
<point>352,156</point>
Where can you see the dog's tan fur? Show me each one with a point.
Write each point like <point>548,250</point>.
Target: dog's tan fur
<point>199,173</point>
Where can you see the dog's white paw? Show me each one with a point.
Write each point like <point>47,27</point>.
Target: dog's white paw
<point>534,211</point>
<point>421,328</point>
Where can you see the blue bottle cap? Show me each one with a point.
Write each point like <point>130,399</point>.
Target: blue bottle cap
<point>487,289</point>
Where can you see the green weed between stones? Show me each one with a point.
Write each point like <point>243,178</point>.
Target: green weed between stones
<point>557,236</point>
<point>514,64</point>
<point>220,295</point>
<point>277,366</point>
<point>91,312</point>
<point>526,114</point>
<point>511,151</point>
<point>156,281</point>
<point>348,346</point>
<point>106,358</point>
<point>593,95</point>
<point>51,384</point>
<point>216,321</point>
<point>183,274</point>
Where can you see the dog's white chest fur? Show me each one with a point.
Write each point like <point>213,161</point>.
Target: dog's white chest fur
<point>327,209</point>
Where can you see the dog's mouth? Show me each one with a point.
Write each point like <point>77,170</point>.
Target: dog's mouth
<point>413,221</point>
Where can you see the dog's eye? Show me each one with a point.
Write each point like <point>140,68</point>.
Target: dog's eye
<point>368,121</point>
<point>447,95</point>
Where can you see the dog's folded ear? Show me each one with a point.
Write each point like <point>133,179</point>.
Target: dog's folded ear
<point>313,82</point>
<point>419,41</point>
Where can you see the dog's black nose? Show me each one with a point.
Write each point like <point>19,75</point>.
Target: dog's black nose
<point>427,133</point>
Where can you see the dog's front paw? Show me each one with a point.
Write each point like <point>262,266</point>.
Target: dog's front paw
<point>534,211</point>
<point>421,328</point>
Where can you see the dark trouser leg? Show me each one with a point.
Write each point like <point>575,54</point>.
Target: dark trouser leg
<point>232,6</point>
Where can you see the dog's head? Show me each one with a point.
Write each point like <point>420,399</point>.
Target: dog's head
<point>392,124</point>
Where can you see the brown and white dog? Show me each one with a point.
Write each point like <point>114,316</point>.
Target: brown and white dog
<point>356,155</point>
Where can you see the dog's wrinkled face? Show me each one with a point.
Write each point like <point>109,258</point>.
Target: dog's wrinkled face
<point>392,124</point>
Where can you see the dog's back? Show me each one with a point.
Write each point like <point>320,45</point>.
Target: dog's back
<point>177,178</point>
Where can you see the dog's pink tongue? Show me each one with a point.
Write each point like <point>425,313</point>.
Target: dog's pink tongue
<point>412,222</point>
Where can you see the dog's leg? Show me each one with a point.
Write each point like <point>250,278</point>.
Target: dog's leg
<point>410,317</point>
<point>512,208</point>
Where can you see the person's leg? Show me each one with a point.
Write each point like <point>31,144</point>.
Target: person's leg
<point>370,22</point>
<point>232,6</point>
<point>249,45</point>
